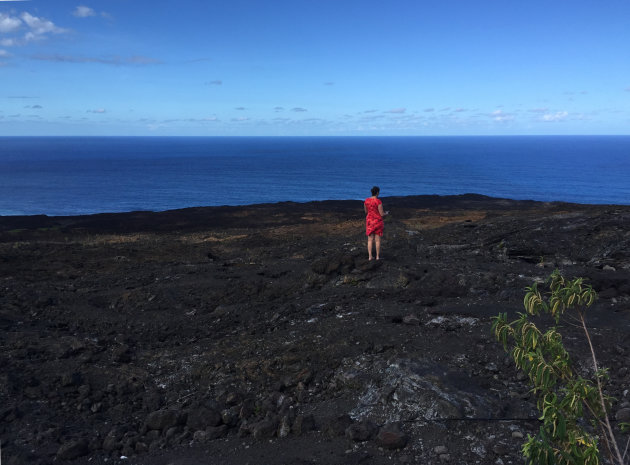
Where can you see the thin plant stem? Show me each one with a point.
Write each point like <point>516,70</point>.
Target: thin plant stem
<point>611,435</point>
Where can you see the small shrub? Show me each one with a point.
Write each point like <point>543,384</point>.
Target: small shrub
<point>565,400</point>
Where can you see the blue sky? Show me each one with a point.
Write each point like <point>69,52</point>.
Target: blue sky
<point>303,67</point>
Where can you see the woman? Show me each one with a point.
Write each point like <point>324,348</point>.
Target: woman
<point>373,208</point>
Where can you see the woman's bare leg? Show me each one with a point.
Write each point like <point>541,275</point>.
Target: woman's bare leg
<point>369,246</point>
<point>378,246</point>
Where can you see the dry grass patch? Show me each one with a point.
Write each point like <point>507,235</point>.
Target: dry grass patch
<point>203,238</point>
<point>437,221</point>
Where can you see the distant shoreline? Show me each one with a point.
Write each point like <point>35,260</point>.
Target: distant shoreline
<point>279,213</point>
<point>332,202</point>
<point>373,136</point>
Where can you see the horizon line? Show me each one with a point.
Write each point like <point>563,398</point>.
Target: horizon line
<point>312,136</point>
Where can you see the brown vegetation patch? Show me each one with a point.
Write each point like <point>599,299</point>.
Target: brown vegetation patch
<point>437,221</point>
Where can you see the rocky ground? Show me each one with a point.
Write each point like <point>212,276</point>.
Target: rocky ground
<point>262,335</point>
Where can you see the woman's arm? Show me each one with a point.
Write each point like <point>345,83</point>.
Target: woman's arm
<point>380,209</point>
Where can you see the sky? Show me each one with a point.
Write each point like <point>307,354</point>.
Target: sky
<point>314,68</point>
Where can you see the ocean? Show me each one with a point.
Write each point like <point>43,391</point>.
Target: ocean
<point>85,175</point>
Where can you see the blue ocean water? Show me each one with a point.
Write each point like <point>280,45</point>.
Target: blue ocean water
<point>83,175</point>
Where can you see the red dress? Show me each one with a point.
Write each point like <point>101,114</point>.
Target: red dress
<point>373,220</point>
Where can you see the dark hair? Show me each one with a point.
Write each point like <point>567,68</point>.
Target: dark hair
<point>375,190</point>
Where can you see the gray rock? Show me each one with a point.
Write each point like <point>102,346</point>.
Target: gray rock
<point>230,416</point>
<point>492,367</point>
<point>113,440</point>
<point>162,419</point>
<point>127,451</point>
<point>501,449</point>
<point>152,401</point>
<point>111,443</point>
<point>84,391</point>
<point>73,449</point>
<point>233,398</point>
<point>336,263</point>
<point>172,432</point>
<point>265,429</point>
<point>337,426</point>
<point>389,281</point>
<point>411,320</point>
<point>97,407</point>
<point>362,431</point>
<point>71,379</point>
<point>247,409</point>
<point>285,427</point>
<point>410,389</point>
<point>121,354</point>
<point>152,436</point>
<point>305,376</point>
<point>95,443</point>
<point>216,432</point>
<point>623,414</point>
<point>244,429</point>
<point>391,436</point>
<point>157,444</point>
<point>141,447</point>
<point>303,424</point>
<point>439,450</point>
<point>201,417</point>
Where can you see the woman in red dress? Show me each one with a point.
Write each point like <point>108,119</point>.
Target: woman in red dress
<point>374,213</point>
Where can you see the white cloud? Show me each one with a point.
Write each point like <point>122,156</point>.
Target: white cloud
<point>9,24</point>
<point>397,110</point>
<point>185,120</point>
<point>143,60</point>
<point>4,53</point>
<point>115,60</point>
<point>99,110</point>
<point>558,116</point>
<point>39,26</point>
<point>501,116</point>
<point>83,11</point>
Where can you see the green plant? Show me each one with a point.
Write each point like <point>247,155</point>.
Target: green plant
<point>566,401</point>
